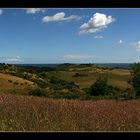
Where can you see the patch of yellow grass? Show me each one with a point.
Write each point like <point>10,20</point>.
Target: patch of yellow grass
<point>9,83</point>
<point>120,72</point>
<point>118,83</point>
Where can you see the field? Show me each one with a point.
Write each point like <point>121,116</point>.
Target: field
<point>22,110</point>
<point>116,77</point>
<point>28,113</point>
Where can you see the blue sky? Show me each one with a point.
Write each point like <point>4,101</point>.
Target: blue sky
<point>70,35</point>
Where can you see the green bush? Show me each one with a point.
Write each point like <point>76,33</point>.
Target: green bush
<point>101,90</point>
<point>100,87</point>
<point>135,78</point>
<point>37,92</point>
<point>43,74</point>
<point>113,90</point>
<point>59,84</point>
<point>40,83</point>
<point>129,94</point>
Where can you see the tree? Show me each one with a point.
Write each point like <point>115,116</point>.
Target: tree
<point>100,87</point>
<point>135,80</point>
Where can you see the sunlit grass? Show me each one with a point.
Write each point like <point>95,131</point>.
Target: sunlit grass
<point>27,113</point>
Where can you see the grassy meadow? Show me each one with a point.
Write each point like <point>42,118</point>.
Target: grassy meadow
<point>116,77</point>
<point>22,110</point>
<point>28,113</point>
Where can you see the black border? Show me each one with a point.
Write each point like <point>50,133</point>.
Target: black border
<point>70,3</point>
<point>69,135</point>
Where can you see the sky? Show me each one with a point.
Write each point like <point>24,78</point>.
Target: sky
<point>69,35</point>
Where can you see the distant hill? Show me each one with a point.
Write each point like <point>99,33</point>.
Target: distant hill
<point>113,65</point>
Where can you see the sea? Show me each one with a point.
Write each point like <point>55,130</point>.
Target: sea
<point>112,65</point>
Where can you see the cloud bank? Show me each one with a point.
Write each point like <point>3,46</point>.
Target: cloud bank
<point>76,57</point>
<point>13,59</point>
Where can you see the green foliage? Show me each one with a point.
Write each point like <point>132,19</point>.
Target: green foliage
<point>37,92</point>
<point>2,66</point>
<point>43,74</point>
<point>40,83</point>
<point>58,84</point>
<point>100,87</point>
<point>101,90</point>
<point>113,90</point>
<point>129,94</point>
<point>135,74</point>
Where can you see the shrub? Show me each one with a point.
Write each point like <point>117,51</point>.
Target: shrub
<point>37,92</point>
<point>129,94</point>
<point>40,83</point>
<point>58,84</point>
<point>113,90</point>
<point>26,83</point>
<point>10,81</point>
<point>43,74</point>
<point>100,87</point>
<point>135,80</point>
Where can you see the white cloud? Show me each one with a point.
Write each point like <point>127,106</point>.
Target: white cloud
<point>76,57</point>
<point>137,45</point>
<point>60,17</point>
<point>98,37</point>
<point>1,11</point>
<point>14,59</point>
<point>34,10</point>
<point>96,23</point>
<point>120,41</point>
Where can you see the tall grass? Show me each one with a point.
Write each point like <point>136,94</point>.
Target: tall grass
<point>27,113</point>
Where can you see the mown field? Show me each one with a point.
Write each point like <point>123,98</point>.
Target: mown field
<point>28,113</point>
